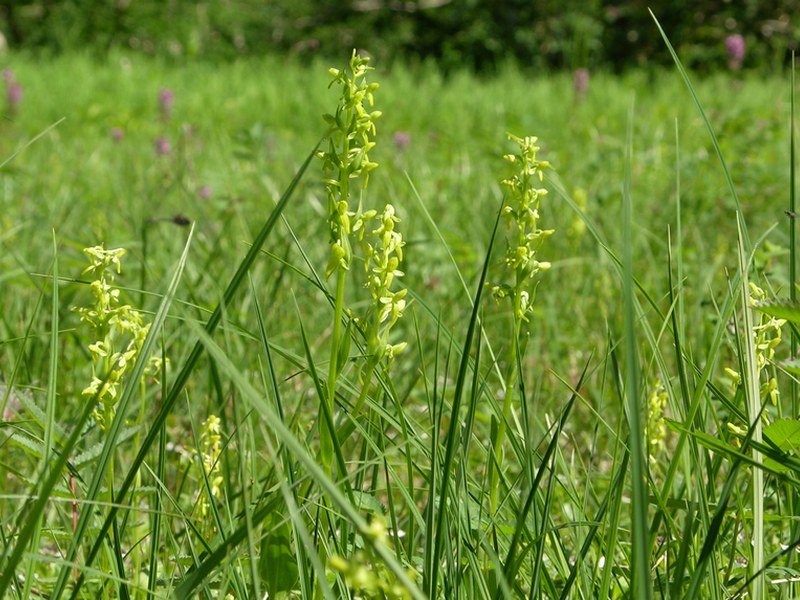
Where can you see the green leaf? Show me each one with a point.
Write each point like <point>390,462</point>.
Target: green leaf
<point>368,503</point>
<point>732,453</point>
<point>93,452</point>
<point>277,564</point>
<point>38,415</point>
<point>781,309</point>
<point>32,447</point>
<point>785,434</point>
<point>790,366</point>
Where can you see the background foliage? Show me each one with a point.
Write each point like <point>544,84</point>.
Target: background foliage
<point>478,33</point>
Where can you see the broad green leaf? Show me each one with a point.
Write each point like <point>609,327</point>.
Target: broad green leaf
<point>93,452</point>
<point>785,434</point>
<point>791,366</point>
<point>368,503</point>
<point>38,415</point>
<point>277,564</point>
<point>781,309</point>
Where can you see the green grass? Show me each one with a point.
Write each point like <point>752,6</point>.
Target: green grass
<point>656,239</point>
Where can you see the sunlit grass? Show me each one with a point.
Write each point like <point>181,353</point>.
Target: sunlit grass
<point>659,227</point>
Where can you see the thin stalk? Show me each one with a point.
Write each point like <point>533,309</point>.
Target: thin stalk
<point>325,433</point>
<point>362,396</point>
<point>793,237</point>
<point>753,395</point>
<point>505,417</point>
<point>141,528</point>
<point>110,494</point>
<point>793,498</point>
<point>155,528</point>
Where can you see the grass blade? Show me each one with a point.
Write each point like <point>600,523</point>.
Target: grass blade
<point>155,532</point>
<point>640,564</point>
<point>793,233</point>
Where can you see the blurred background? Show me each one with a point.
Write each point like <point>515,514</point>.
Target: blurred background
<point>477,34</point>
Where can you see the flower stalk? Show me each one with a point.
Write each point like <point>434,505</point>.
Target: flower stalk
<point>352,129</point>
<point>521,259</point>
<point>210,451</point>
<point>119,332</point>
<point>383,254</point>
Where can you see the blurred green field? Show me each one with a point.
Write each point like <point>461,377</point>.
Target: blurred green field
<point>242,130</point>
<point>84,167</point>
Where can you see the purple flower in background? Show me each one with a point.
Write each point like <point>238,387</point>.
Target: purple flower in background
<point>117,134</point>
<point>13,91</point>
<point>162,146</point>
<point>580,81</point>
<point>402,139</point>
<point>734,44</point>
<point>166,98</point>
<point>205,192</point>
<point>13,96</point>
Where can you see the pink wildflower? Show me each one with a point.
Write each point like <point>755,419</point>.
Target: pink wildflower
<point>402,139</point>
<point>163,146</point>
<point>580,81</point>
<point>14,96</point>
<point>13,91</point>
<point>734,44</point>
<point>166,98</point>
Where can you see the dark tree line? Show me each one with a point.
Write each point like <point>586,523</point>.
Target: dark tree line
<point>542,34</point>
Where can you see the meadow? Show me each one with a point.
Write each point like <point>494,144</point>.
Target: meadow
<point>235,408</point>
